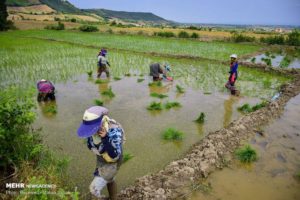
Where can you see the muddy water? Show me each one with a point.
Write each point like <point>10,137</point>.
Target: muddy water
<point>273,175</point>
<point>276,60</point>
<point>143,128</point>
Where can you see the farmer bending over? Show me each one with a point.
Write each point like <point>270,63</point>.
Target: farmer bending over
<point>233,75</point>
<point>158,73</point>
<point>103,63</point>
<point>46,90</point>
<point>104,138</point>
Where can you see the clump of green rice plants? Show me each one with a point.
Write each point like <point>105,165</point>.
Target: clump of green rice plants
<point>116,78</point>
<point>170,105</point>
<point>246,154</point>
<point>109,93</point>
<point>285,62</point>
<point>267,61</point>
<point>253,60</point>
<point>246,108</point>
<point>273,56</point>
<point>157,95</point>
<point>51,109</point>
<point>89,73</point>
<point>127,74</point>
<point>179,89</point>
<point>298,175</point>
<point>259,106</point>
<point>140,80</point>
<point>267,53</point>
<point>98,102</point>
<point>201,118</point>
<point>156,83</point>
<point>172,134</point>
<point>155,106</point>
<point>101,81</point>
<point>127,156</point>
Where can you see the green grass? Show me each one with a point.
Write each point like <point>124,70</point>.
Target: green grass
<point>179,89</point>
<point>201,118</point>
<point>140,80</point>
<point>157,95</point>
<point>98,102</point>
<point>172,134</point>
<point>109,93</point>
<point>155,106</point>
<point>127,156</point>
<point>246,108</point>
<point>246,154</point>
<point>169,105</point>
<point>101,81</point>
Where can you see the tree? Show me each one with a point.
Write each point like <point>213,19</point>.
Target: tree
<point>3,16</point>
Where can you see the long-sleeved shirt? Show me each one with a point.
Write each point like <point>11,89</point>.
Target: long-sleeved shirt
<point>234,67</point>
<point>110,144</point>
<point>102,61</point>
<point>45,86</point>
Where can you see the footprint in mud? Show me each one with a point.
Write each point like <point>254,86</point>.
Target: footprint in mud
<point>276,172</point>
<point>263,144</point>
<point>281,157</point>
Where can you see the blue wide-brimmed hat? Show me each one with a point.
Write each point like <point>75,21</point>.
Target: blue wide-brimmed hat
<point>91,122</point>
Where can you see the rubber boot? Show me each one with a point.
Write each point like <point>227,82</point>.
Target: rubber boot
<point>112,190</point>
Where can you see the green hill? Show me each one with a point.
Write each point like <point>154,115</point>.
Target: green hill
<point>58,5</point>
<point>128,16</point>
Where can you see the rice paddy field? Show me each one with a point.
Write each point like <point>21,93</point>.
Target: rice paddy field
<point>66,57</point>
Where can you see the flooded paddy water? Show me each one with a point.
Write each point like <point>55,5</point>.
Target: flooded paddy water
<point>66,65</point>
<point>276,173</point>
<point>282,59</point>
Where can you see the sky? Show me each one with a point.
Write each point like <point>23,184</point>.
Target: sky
<point>255,12</point>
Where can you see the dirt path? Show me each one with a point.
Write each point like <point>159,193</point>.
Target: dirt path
<point>210,153</point>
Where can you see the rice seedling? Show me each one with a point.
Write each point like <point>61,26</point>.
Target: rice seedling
<point>157,95</point>
<point>201,118</point>
<point>172,134</point>
<point>169,105</point>
<point>89,73</point>
<point>101,81</point>
<point>253,60</point>
<point>268,61</point>
<point>109,93</point>
<point>246,154</point>
<point>116,78</point>
<point>155,106</point>
<point>155,83</point>
<point>179,89</point>
<point>127,156</point>
<point>285,62</point>
<point>298,175</point>
<point>246,108</point>
<point>51,109</point>
<point>98,102</point>
<point>127,74</point>
<point>140,80</point>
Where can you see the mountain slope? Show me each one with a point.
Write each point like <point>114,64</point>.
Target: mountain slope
<point>130,16</point>
<point>58,5</point>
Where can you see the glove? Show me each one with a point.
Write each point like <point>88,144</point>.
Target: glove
<point>95,151</point>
